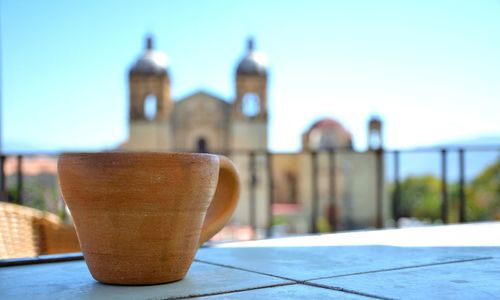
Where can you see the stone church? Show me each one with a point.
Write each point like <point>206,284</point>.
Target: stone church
<point>202,122</point>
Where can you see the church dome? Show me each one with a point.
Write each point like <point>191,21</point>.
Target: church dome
<point>254,62</point>
<point>329,124</point>
<point>326,134</point>
<point>151,62</point>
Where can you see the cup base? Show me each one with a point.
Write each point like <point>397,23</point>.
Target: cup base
<point>141,282</point>
<point>118,270</point>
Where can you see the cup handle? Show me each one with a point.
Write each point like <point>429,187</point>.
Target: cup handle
<point>224,201</point>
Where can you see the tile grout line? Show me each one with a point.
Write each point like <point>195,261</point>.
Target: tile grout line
<point>233,291</point>
<point>246,270</point>
<point>293,282</point>
<point>338,289</point>
<point>403,268</point>
<point>343,290</point>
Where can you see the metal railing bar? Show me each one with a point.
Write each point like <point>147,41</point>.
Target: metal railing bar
<point>332,190</point>
<point>251,192</point>
<point>20,179</point>
<point>397,189</point>
<point>379,188</point>
<point>461,192</point>
<point>444,187</point>
<point>270,183</point>
<point>3,180</point>
<point>314,190</point>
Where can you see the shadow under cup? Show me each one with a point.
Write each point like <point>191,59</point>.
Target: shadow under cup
<point>140,216</point>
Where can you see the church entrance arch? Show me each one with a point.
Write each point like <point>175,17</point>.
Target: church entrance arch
<point>201,145</point>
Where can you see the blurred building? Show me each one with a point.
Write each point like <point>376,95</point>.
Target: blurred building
<point>203,122</point>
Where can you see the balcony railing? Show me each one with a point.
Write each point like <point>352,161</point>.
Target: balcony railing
<point>260,179</point>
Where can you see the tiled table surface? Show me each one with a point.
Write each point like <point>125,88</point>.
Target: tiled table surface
<point>445,262</point>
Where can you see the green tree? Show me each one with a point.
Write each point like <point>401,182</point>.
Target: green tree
<point>483,195</point>
<point>420,198</point>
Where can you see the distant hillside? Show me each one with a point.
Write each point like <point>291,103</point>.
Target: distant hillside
<point>473,142</point>
<point>13,147</point>
<point>476,159</point>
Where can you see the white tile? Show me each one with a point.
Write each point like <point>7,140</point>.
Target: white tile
<point>305,263</point>
<point>72,280</point>
<point>467,280</point>
<point>296,291</point>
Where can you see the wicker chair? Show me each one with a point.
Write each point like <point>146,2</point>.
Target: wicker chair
<point>25,231</point>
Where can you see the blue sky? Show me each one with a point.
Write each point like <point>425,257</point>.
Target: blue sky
<point>430,69</point>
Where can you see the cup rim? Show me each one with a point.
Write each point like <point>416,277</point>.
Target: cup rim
<point>169,153</point>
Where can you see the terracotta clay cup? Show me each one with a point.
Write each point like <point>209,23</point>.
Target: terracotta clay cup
<point>141,216</point>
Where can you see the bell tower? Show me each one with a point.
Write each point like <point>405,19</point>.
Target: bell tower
<point>375,141</point>
<point>249,129</point>
<point>150,102</point>
<point>149,79</point>
<point>249,112</point>
<point>251,85</point>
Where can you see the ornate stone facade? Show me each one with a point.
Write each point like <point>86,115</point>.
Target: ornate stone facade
<point>199,122</point>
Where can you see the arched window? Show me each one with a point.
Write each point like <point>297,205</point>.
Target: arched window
<point>374,140</point>
<point>150,107</point>
<point>201,145</point>
<point>250,105</point>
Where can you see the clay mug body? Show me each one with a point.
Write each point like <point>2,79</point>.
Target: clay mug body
<point>141,216</point>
